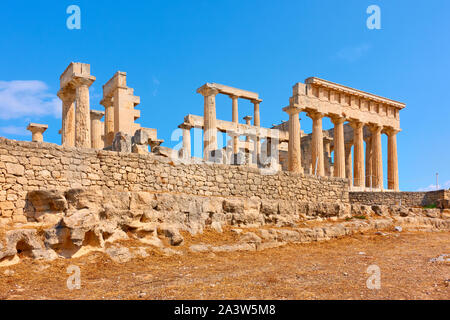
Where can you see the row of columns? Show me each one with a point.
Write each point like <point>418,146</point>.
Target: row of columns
<point>210,126</point>
<point>372,177</point>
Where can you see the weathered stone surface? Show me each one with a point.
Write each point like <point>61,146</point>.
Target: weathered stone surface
<point>15,169</point>
<point>172,234</point>
<point>121,142</point>
<point>141,137</point>
<point>119,254</point>
<point>43,201</point>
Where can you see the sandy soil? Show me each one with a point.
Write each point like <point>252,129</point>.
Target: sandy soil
<point>328,270</point>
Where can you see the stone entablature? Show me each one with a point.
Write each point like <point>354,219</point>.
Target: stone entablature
<point>335,100</point>
<point>25,167</point>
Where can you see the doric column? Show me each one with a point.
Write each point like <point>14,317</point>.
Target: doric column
<point>235,118</point>
<point>209,125</point>
<point>256,118</point>
<point>77,78</point>
<point>358,153</point>
<point>327,152</point>
<point>37,131</point>
<point>317,144</point>
<point>393,182</point>
<point>252,154</point>
<point>109,121</point>
<point>377,158</point>
<point>348,163</point>
<point>369,177</point>
<point>82,114</point>
<point>294,146</point>
<point>67,97</point>
<point>339,147</point>
<point>96,129</point>
<point>257,123</point>
<point>186,141</point>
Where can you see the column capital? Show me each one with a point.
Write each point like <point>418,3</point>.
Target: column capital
<point>185,126</point>
<point>67,95</point>
<point>207,91</point>
<point>36,127</point>
<point>337,119</point>
<point>96,114</point>
<point>233,97</point>
<point>391,131</point>
<point>256,101</point>
<point>356,124</point>
<point>292,110</point>
<point>375,128</point>
<point>316,115</point>
<point>79,81</point>
<point>107,102</point>
<point>248,119</point>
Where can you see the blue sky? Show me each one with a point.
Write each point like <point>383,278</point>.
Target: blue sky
<point>170,48</point>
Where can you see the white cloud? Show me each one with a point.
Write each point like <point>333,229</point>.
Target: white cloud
<point>432,187</point>
<point>15,130</point>
<point>23,98</point>
<point>351,54</point>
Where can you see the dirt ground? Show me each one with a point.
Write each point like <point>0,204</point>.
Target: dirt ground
<point>329,270</point>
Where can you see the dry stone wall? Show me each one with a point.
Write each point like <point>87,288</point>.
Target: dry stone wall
<point>409,199</point>
<point>30,166</point>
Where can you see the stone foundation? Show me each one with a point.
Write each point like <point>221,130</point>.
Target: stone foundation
<point>30,166</point>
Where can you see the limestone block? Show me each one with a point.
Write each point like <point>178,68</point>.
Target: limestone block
<point>139,148</point>
<point>141,136</point>
<point>121,142</point>
<point>15,169</point>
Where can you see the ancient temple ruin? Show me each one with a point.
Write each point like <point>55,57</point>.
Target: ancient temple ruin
<point>358,117</point>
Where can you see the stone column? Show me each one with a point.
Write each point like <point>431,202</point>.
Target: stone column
<point>77,78</point>
<point>186,141</point>
<point>256,118</point>
<point>369,177</point>
<point>37,131</point>
<point>96,129</point>
<point>294,146</point>
<point>317,144</point>
<point>67,97</point>
<point>358,152</point>
<point>327,152</point>
<point>109,121</point>
<point>377,158</point>
<point>235,117</point>
<point>339,147</point>
<point>252,156</point>
<point>349,164</point>
<point>257,123</point>
<point>82,114</point>
<point>209,125</point>
<point>393,182</point>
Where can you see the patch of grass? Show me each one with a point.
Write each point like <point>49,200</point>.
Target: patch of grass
<point>360,217</point>
<point>348,218</point>
<point>430,206</point>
